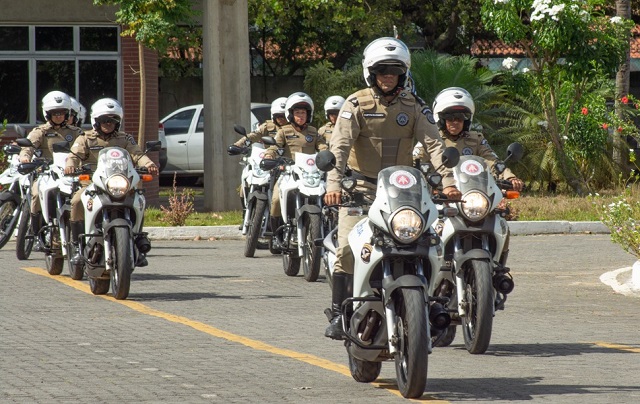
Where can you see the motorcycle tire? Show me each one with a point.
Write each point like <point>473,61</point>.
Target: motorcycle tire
<point>99,286</point>
<point>122,253</point>
<point>7,224</point>
<point>291,264</point>
<point>448,338</point>
<point>256,216</point>
<point>25,237</point>
<point>364,371</point>
<point>311,254</point>
<point>412,358</point>
<point>273,249</point>
<point>53,263</point>
<point>478,322</point>
<point>76,272</point>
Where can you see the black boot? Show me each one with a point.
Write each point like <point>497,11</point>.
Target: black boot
<point>77,228</point>
<point>339,293</point>
<point>36,226</point>
<point>274,223</point>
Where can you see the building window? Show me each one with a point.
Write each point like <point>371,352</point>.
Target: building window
<point>82,61</point>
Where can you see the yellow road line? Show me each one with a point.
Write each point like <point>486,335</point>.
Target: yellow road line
<point>207,329</point>
<point>618,347</point>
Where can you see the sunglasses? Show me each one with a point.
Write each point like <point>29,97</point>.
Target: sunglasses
<point>456,116</point>
<point>388,69</point>
<point>107,120</point>
<point>58,113</point>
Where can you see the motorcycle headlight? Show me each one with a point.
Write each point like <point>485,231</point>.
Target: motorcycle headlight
<point>311,179</point>
<point>475,206</point>
<point>117,186</point>
<point>406,225</point>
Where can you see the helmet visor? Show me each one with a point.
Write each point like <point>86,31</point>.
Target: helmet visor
<point>456,116</point>
<point>395,70</point>
<point>107,119</point>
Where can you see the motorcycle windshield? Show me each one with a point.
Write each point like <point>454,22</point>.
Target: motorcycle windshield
<point>114,160</point>
<point>402,185</point>
<point>472,172</point>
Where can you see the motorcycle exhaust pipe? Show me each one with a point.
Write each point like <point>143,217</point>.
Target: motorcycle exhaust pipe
<point>143,244</point>
<point>503,283</point>
<point>439,317</point>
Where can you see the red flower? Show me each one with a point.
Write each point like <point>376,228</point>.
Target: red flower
<point>585,111</point>
<point>624,100</point>
<point>636,105</point>
<point>620,129</point>
<point>605,126</point>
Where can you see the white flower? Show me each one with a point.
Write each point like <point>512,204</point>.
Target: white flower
<point>525,70</point>
<point>565,137</point>
<point>616,20</point>
<point>500,1</point>
<point>509,63</point>
<point>544,124</point>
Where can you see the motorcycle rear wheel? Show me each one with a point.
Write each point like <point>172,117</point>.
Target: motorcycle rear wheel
<point>311,255</point>
<point>53,263</point>
<point>24,245</point>
<point>291,264</point>
<point>256,208</point>
<point>412,358</point>
<point>448,337</point>
<point>478,292</point>
<point>122,247</point>
<point>364,371</point>
<point>7,224</point>
<point>99,286</point>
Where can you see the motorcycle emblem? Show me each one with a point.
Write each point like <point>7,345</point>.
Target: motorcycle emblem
<point>116,154</point>
<point>471,167</point>
<point>90,205</point>
<point>311,162</point>
<point>439,227</point>
<point>402,119</point>
<point>261,155</point>
<point>365,254</point>
<point>402,179</point>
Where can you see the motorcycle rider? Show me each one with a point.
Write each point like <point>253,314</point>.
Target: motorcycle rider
<point>77,114</point>
<point>106,117</point>
<point>331,108</point>
<point>269,127</point>
<point>56,107</point>
<point>298,137</point>
<point>376,128</point>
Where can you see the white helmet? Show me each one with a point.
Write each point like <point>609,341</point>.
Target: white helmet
<point>333,103</point>
<point>82,114</point>
<point>299,100</point>
<point>453,100</point>
<point>55,100</point>
<point>386,51</point>
<point>277,107</point>
<point>75,109</point>
<point>106,106</point>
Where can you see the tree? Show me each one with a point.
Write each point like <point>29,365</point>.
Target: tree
<point>569,43</point>
<point>155,25</point>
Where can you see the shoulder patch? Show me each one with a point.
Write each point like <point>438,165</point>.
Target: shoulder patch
<point>354,101</point>
<point>130,139</point>
<point>346,115</point>
<point>426,111</point>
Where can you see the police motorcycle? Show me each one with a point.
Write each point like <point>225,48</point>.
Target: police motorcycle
<point>14,187</point>
<point>256,192</point>
<point>302,187</point>
<point>114,205</point>
<point>474,277</point>
<point>390,314</point>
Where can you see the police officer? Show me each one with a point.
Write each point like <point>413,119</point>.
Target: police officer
<point>331,108</point>
<point>377,128</point>
<point>56,107</point>
<point>269,127</point>
<point>77,113</point>
<point>106,116</point>
<point>298,137</point>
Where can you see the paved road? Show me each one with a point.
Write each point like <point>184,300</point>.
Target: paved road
<point>203,324</point>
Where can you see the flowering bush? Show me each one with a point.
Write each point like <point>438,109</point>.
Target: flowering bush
<point>622,217</point>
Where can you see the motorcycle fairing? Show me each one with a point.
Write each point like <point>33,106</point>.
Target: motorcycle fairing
<point>473,173</point>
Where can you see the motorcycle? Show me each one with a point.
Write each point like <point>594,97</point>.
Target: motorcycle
<point>474,277</point>
<point>114,207</point>
<point>256,192</point>
<point>390,314</point>
<point>301,187</point>
<point>13,191</point>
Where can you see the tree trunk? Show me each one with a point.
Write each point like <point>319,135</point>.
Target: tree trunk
<point>143,96</point>
<point>621,148</point>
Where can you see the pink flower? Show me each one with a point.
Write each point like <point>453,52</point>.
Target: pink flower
<point>585,111</point>
<point>624,100</point>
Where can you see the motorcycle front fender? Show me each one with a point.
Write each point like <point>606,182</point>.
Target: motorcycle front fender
<point>460,257</point>
<point>118,222</point>
<point>403,282</point>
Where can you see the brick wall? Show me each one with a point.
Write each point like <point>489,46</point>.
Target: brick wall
<point>131,102</point>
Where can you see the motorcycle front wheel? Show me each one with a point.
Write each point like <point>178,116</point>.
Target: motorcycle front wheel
<point>25,237</point>
<point>412,358</point>
<point>122,252</point>
<point>256,208</point>
<point>478,292</point>
<point>7,224</point>
<point>311,255</point>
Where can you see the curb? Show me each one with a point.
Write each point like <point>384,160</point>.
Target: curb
<point>233,233</point>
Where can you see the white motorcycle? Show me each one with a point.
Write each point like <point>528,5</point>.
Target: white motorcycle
<point>474,277</point>
<point>14,188</point>
<point>256,192</point>
<point>114,207</point>
<point>302,188</point>
<point>389,314</point>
